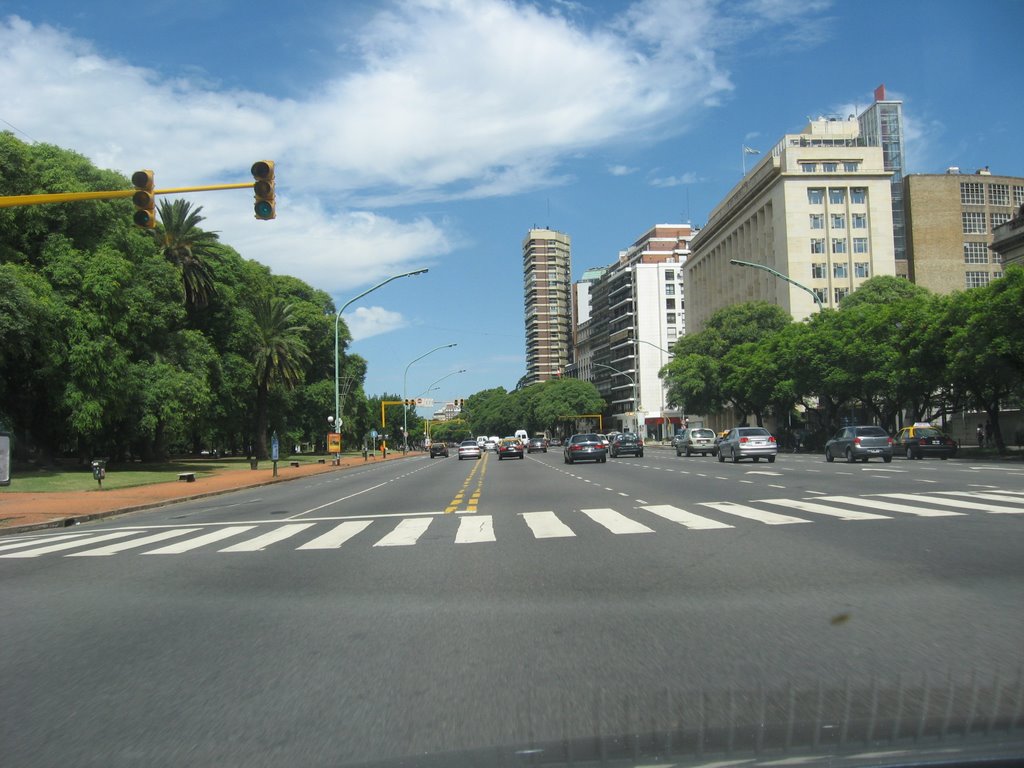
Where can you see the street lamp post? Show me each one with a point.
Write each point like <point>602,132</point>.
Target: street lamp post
<point>636,405</point>
<point>405,389</point>
<point>739,263</point>
<point>337,322</point>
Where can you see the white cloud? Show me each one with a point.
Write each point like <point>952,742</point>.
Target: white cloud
<point>674,181</point>
<point>621,170</point>
<point>365,322</point>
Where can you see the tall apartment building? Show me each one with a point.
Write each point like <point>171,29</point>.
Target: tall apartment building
<point>636,312</point>
<point>817,209</point>
<point>881,125</point>
<point>547,275</point>
<point>950,220</point>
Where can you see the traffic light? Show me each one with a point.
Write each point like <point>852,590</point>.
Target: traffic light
<point>263,189</point>
<point>410,402</point>
<point>144,199</point>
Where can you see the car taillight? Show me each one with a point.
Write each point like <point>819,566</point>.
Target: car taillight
<point>888,441</point>
<point>856,441</point>
<point>575,447</point>
<point>922,441</point>
<point>771,438</point>
<point>743,439</point>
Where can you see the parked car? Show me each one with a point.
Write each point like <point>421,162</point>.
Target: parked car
<point>469,449</point>
<point>584,447</point>
<point>748,443</point>
<point>626,442</point>
<point>537,444</point>
<point>695,440</point>
<point>920,440</point>
<point>439,448</point>
<point>860,443</point>
<point>510,447</point>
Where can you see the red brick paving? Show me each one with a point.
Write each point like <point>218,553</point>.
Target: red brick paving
<point>29,511</point>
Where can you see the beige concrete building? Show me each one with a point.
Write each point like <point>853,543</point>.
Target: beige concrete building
<point>950,221</point>
<point>1008,240</point>
<point>817,210</point>
<point>547,279</point>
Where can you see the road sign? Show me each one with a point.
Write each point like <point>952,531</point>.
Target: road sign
<point>333,442</point>
<point>424,402</point>
<point>275,448</point>
<point>373,434</point>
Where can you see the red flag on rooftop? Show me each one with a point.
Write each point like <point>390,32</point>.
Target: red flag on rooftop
<point>880,93</point>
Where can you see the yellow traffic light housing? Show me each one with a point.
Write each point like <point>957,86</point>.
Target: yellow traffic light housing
<point>144,200</point>
<point>263,189</point>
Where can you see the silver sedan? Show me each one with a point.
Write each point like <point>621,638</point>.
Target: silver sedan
<point>748,443</point>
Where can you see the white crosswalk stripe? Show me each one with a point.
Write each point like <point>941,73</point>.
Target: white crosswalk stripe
<point>546,524</point>
<point>406,533</point>
<point>752,513</point>
<point>688,519</point>
<point>338,535</point>
<point>615,522</point>
<point>474,529</point>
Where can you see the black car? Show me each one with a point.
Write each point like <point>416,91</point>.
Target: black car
<point>627,442</point>
<point>438,448</point>
<point>920,440</point>
<point>584,447</point>
<point>537,444</point>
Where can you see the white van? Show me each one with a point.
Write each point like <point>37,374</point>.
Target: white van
<point>522,434</point>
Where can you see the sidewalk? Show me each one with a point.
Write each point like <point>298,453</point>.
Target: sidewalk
<point>22,512</point>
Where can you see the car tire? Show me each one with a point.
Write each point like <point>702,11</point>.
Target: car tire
<point>849,456</point>
<point>887,459</point>
<point>687,453</point>
<point>828,456</point>
<point>864,460</point>
<point>735,458</point>
<point>678,453</point>
<point>757,459</point>
<point>640,455</point>
<point>910,453</point>
<point>721,457</point>
<point>771,459</point>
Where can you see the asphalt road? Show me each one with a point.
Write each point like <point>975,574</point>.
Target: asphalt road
<point>443,606</point>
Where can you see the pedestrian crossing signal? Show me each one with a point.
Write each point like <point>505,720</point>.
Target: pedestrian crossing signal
<point>263,189</point>
<point>144,200</point>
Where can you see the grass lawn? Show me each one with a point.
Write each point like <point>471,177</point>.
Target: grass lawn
<point>75,478</point>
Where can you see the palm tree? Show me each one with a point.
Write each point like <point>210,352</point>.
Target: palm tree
<point>188,248</point>
<point>279,355</point>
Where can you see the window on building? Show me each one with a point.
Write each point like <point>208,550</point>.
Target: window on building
<point>671,334</point>
<point>670,318</point>
<point>973,222</point>
<point>815,195</point>
<point>997,258</point>
<point>822,294</point>
<point>858,195</point>
<point>836,195</point>
<point>817,245</point>
<point>808,167</point>
<point>861,269</point>
<point>840,293</point>
<point>996,275</point>
<point>975,253</point>
<point>670,290</point>
<point>860,245</point>
<point>851,167</point>
<point>840,271</point>
<point>670,274</point>
<point>977,279</point>
<point>817,221</point>
<point>1018,195</point>
<point>998,218</point>
<point>670,303</point>
<point>998,194</point>
<point>838,245</point>
<point>972,193</point>
<point>838,221</point>
<point>830,167</point>
<point>860,220</point>
<point>819,270</point>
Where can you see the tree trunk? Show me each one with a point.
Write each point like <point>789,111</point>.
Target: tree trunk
<point>262,403</point>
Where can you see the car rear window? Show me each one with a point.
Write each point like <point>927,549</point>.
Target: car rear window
<point>702,433</point>
<point>927,432</point>
<point>871,432</point>
<point>747,431</point>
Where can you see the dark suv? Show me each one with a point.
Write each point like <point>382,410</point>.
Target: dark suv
<point>439,448</point>
<point>627,442</point>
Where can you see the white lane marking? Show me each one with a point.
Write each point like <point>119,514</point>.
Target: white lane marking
<point>37,540</point>
<point>200,541</point>
<point>962,504</point>
<point>111,549</point>
<point>615,522</point>
<point>69,544</point>
<point>688,519</point>
<point>406,533</point>
<point>545,525</point>
<point>1001,469</point>
<point>343,498</point>
<point>887,506</point>
<point>821,509</point>
<point>475,529</point>
<point>763,472</point>
<point>270,537</point>
<point>1014,505</point>
<point>338,535</point>
<point>741,510</point>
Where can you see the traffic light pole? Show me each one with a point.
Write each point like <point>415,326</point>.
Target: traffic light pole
<point>14,201</point>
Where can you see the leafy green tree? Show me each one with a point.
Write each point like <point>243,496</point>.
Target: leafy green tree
<point>558,402</point>
<point>278,356</point>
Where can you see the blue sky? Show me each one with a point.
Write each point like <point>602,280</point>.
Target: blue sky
<point>435,133</point>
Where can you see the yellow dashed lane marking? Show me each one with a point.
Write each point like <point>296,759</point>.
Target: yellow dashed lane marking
<point>456,502</point>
